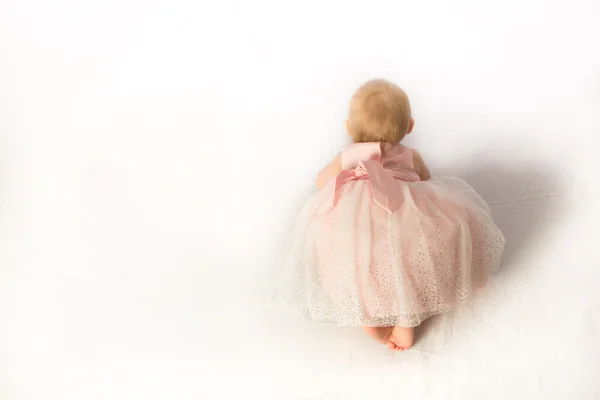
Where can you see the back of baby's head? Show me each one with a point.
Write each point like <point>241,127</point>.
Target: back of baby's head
<point>379,112</point>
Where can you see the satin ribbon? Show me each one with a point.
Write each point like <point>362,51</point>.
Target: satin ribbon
<point>385,190</point>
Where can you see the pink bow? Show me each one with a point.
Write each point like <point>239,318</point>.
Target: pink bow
<point>386,191</point>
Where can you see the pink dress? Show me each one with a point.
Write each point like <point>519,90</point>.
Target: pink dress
<point>379,247</point>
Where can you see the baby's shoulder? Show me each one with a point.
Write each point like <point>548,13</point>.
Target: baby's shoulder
<point>420,166</point>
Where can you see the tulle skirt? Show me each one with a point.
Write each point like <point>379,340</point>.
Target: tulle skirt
<point>360,265</point>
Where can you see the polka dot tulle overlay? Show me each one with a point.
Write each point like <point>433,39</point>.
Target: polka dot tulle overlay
<point>362,265</point>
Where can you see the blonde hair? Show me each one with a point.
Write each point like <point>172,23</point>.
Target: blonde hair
<point>379,112</point>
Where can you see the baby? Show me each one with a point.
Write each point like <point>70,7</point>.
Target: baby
<point>381,245</point>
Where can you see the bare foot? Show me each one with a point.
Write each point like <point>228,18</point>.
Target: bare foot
<point>381,334</point>
<point>401,338</point>
<point>396,337</point>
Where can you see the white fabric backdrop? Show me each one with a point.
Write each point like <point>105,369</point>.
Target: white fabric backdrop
<point>152,154</point>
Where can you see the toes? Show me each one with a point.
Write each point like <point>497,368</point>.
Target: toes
<point>394,346</point>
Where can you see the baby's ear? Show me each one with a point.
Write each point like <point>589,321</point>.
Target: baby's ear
<point>411,125</point>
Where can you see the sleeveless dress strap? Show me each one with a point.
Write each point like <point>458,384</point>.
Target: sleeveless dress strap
<point>357,152</point>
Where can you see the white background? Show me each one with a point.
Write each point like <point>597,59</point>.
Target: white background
<point>152,154</point>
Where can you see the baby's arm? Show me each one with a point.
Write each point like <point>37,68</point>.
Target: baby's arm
<point>420,166</point>
<point>329,171</point>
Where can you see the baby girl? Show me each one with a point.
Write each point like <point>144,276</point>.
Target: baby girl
<point>382,245</point>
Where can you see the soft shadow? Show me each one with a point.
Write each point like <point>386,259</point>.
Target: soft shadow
<point>531,203</point>
<point>528,202</point>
